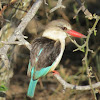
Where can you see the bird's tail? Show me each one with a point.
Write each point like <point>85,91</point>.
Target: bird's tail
<point>31,88</point>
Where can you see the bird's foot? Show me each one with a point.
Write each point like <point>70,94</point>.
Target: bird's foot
<point>55,72</point>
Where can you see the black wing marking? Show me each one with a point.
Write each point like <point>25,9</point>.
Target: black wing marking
<point>50,51</point>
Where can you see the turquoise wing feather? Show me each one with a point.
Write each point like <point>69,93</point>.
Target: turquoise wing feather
<point>36,75</point>
<point>33,82</point>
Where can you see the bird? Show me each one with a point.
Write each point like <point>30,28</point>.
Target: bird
<point>47,51</point>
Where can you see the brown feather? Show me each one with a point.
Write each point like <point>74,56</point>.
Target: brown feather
<point>51,50</point>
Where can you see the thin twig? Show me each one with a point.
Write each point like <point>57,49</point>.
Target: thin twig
<point>59,5</point>
<point>87,51</point>
<point>84,9</point>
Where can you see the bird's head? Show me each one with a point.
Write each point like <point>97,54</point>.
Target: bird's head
<point>60,29</point>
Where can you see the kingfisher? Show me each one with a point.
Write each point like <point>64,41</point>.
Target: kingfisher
<point>47,51</point>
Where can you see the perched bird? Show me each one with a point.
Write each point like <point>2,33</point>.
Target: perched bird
<point>47,51</point>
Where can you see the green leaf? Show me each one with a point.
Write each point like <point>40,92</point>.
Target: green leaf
<point>3,88</point>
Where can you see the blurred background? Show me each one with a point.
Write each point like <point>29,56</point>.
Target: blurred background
<point>70,68</point>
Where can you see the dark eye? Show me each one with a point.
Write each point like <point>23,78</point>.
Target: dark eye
<point>64,28</point>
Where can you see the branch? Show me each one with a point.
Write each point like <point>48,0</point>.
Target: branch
<point>84,9</point>
<point>45,2</point>
<point>18,32</point>
<point>70,86</point>
<point>59,5</point>
<point>90,31</point>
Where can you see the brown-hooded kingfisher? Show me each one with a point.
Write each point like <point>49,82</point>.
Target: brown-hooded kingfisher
<point>47,51</point>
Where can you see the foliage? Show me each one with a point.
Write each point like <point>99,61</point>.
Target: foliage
<point>3,87</point>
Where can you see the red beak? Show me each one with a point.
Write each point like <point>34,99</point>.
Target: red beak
<point>75,34</point>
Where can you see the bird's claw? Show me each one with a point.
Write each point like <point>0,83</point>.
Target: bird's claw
<point>55,72</point>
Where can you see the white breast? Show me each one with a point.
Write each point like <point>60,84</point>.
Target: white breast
<point>56,62</point>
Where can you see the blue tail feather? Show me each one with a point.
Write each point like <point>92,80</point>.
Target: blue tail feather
<point>37,75</point>
<point>31,88</point>
<point>32,85</point>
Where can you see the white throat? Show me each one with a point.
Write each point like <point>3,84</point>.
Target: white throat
<point>55,33</point>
